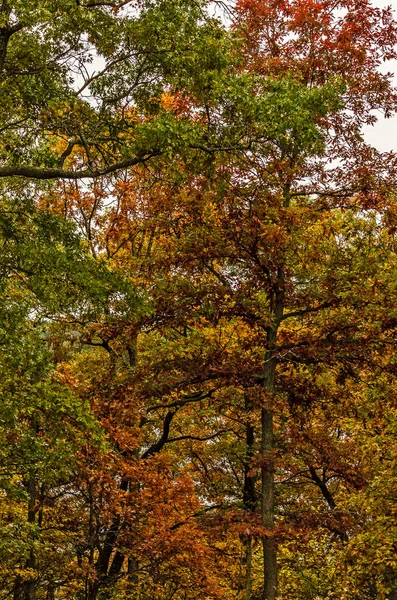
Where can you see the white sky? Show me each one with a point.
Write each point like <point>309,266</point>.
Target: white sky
<point>383,135</point>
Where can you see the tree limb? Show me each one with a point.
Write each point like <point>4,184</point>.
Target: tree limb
<point>59,173</point>
<point>194,397</point>
<point>197,438</point>
<point>304,311</point>
<point>157,446</point>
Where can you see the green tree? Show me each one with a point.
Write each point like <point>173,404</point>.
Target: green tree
<point>64,118</point>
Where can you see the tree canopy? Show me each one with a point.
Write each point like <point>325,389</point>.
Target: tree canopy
<point>198,301</point>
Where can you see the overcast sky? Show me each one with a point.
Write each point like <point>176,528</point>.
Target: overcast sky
<point>383,135</point>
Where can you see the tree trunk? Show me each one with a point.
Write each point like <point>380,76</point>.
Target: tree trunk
<point>92,590</point>
<point>248,569</point>
<point>267,475</point>
<point>25,589</point>
<point>249,494</point>
<point>110,561</point>
<point>267,445</point>
<point>392,595</point>
<point>133,577</point>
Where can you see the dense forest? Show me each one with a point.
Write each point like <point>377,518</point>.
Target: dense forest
<point>198,301</point>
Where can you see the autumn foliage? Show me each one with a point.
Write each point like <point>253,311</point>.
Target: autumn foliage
<point>198,302</point>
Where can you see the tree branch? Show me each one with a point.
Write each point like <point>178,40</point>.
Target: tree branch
<point>197,438</point>
<point>199,513</point>
<point>304,311</point>
<point>59,173</point>
<point>218,275</point>
<point>194,397</point>
<point>157,446</point>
